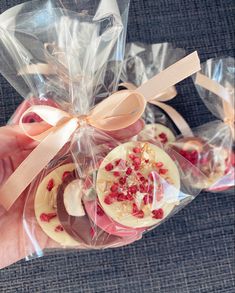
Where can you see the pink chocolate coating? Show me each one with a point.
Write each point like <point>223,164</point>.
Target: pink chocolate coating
<point>109,225</point>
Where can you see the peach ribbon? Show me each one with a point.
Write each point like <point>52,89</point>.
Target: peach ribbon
<point>224,94</point>
<point>159,100</point>
<point>118,111</point>
<point>57,67</point>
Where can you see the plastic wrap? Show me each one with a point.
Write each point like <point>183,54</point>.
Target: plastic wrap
<point>96,192</point>
<point>212,147</point>
<point>141,63</point>
<point>62,45</point>
<point>63,54</point>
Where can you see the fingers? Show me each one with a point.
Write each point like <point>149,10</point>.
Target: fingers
<point>13,139</point>
<point>12,234</point>
<point>127,132</point>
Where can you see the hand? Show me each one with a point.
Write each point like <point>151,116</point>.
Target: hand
<point>14,148</point>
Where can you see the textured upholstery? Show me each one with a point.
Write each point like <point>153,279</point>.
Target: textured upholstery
<point>194,250</point>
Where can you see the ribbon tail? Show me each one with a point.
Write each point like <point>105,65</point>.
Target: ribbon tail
<point>170,76</point>
<point>212,86</point>
<point>35,163</point>
<point>178,120</point>
<point>167,95</point>
<point>229,116</point>
<point>128,85</point>
<point>217,89</point>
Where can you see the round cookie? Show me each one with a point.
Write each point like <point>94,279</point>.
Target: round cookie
<point>46,209</point>
<point>209,159</point>
<point>157,132</point>
<point>138,184</point>
<point>81,228</point>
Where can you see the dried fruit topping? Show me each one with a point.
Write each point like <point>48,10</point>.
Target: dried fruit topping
<point>47,217</point>
<point>137,150</point>
<point>158,214</point>
<point>109,167</point>
<point>117,162</point>
<point>148,199</point>
<point>59,228</point>
<point>109,199</point>
<point>99,211</point>
<point>50,184</point>
<point>137,167</point>
<point>114,195</point>
<point>139,214</point>
<point>132,157</point>
<point>132,189</point>
<point>116,173</point>
<point>66,173</point>
<point>128,171</point>
<point>159,164</point>
<point>129,197</point>
<point>193,156</point>
<point>163,171</point>
<point>121,164</point>
<point>150,188</point>
<point>134,208</point>
<point>142,188</point>
<point>121,197</point>
<point>136,212</point>
<point>162,135</point>
<point>122,180</point>
<point>137,161</point>
<point>114,187</point>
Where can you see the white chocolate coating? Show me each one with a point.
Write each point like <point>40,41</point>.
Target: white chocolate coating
<point>121,211</point>
<point>152,131</point>
<point>44,203</point>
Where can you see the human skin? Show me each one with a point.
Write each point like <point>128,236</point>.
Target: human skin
<point>14,148</point>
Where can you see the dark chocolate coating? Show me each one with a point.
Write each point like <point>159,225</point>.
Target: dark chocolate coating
<point>80,227</point>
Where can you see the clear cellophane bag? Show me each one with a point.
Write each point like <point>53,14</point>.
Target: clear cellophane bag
<point>211,148</point>
<point>97,192</point>
<point>141,63</point>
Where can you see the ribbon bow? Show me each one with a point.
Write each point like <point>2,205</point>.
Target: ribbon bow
<point>159,100</point>
<point>56,65</point>
<point>224,94</point>
<point>118,111</point>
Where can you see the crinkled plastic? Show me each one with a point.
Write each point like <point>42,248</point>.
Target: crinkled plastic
<point>97,192</point>
<point>142,62</point>
<point>212,147</point>
<point>71,43</point>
